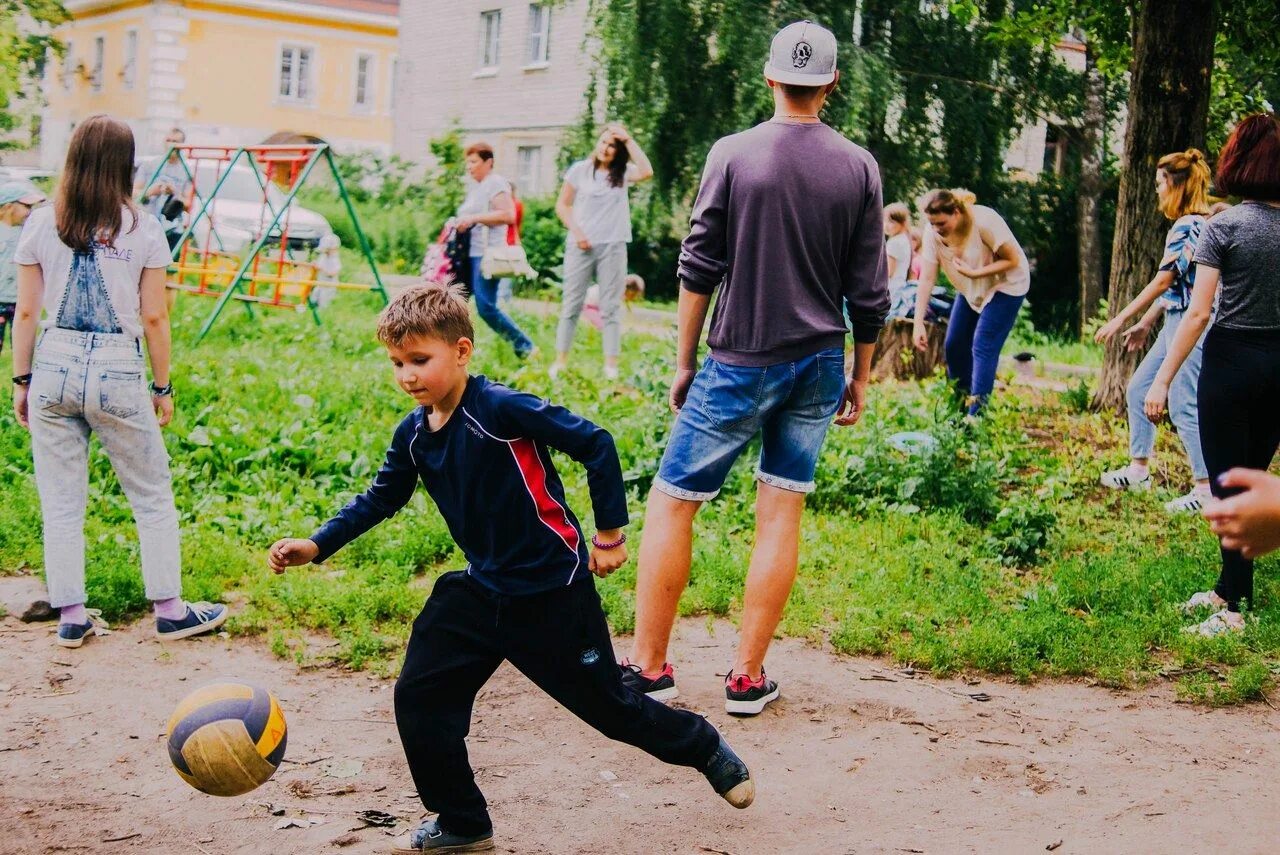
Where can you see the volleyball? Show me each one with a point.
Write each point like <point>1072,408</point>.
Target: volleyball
<point>227,738</point>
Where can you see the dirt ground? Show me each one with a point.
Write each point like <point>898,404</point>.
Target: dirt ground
<point>855,757</point>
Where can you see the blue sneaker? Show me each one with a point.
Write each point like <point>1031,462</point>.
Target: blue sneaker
<point>730,777</point>
<point>430,837</point>
<point>200,618</point>
<point>73,634</point>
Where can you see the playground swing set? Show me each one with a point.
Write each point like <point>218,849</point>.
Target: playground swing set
<point>269,271</point>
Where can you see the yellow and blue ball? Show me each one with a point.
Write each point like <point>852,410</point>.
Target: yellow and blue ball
<point>227,738</point>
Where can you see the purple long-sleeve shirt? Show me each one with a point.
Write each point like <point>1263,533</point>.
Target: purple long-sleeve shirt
<point>789,223</point>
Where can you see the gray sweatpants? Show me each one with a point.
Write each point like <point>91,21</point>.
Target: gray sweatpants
<point>607,264</point>
<point>86,383</point>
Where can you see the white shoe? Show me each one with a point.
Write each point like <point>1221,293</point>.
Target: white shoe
<point>1191,502</point>
<point>1218,623</point>
<point>1124,479</point>
<point>610,373</point>
<point>554,371</point>
<point>1203,600</point>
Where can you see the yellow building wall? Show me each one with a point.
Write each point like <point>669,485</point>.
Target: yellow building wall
<point>75,96</point>
<point>233,78</point>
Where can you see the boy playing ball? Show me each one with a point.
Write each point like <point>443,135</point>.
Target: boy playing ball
<point>482,451</point>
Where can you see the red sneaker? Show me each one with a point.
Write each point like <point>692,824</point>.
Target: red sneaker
<point>744,696</point>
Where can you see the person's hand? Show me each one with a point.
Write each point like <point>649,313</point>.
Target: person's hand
<point>290,552</point>
<point>163,405</point>
<point>965,270</point>
<point>20,394</point>
<point>1135,337</point>
<point>920,335</point>
<point>1248,521</point>
<point>602,562</point>
<point>1157,400</point>
<point>680,388</point>
<point>620,134</point>
<point>464,223</point>
<point>583,243</point>
<point>1108,331</point>
<point>853,404</point>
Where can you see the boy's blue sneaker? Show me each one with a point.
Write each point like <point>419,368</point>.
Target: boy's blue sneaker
<point>730,777</point>
<point>73,634</point>
<point>430,837</point>
<point>200,618</point>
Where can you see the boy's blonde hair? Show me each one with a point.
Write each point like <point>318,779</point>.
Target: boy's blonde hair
<point>426,311</point>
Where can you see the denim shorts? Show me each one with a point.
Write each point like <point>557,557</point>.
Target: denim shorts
<point>790,405</point>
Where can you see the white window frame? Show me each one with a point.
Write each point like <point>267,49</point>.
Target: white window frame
<point>393,64</point>
<point>370,101</point>
<point>538,45</point>
<point>529,170</point>
<point>296,95</point>
<point>490,41</point>
<point>99,61</point>
<point>129,73</point>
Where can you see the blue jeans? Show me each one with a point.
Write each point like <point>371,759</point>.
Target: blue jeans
<point>790,405</point>
<point>973,344</point>
<point>1183,410</point>
<point>486,291</point>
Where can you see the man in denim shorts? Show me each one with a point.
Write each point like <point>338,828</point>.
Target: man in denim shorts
<point>788,225</point>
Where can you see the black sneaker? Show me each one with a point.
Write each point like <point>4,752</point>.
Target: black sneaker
<point>744,696</point>
<point>430,837</point>
<point>660,688</point>
<point>199,619</point>
<point>730,777</point>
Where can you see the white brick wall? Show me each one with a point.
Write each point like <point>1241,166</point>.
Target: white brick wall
<point>516,106</point>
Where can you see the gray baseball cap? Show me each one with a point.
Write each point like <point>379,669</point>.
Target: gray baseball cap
<point>802,54</point>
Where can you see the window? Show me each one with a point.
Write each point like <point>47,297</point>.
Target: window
<point>99,51</point>
<point>295,73</point>
<point>539,34</point>
<point>490,29</point>
<point>68,65</point>
<point>129,74</point>
<point>391,92</point>
<point>364,81</point>
<point>529,169</point>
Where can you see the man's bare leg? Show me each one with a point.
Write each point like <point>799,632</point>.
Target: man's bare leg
<point>662,572</point>
<point>770,576</point>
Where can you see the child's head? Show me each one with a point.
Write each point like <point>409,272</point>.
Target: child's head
<point>897,219</point>
<point>428,335</point>
<point>634,288</point>
<point>97,183</point>
<point>17,198</point>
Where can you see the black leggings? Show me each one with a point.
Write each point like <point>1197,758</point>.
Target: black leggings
<point>1239,399</point>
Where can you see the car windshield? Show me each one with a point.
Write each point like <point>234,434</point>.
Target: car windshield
<point>240,186</point>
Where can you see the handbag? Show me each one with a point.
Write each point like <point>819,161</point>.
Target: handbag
<point>506,260</point>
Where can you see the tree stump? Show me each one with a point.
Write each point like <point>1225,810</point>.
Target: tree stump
<point>896,358</point>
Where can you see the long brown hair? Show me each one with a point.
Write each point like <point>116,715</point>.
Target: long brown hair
<point>97,182</point>
<point>1187,175</point>
<point>618,166</point>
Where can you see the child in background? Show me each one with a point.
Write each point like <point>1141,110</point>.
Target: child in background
<point>328,269</point>
<point>17,198</point>
<point>96,266</point>
<point>632,290</point>
<point>897,231</point>
<point>482,450</point>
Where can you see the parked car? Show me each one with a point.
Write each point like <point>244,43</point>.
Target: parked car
<point>242,210</point>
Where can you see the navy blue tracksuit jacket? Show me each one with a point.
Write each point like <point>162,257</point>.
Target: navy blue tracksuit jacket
<point>489,471</point>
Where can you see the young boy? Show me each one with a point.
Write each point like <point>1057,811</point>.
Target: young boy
<point>527,596</point>
<point>17,198</point>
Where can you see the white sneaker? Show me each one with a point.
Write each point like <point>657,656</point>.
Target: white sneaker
<point>610,373</point>
<point>554,371</point>
<point>1218,623</point>
<point>1203,600</point>
<point>1124,479</point>
<point>1191,502</point>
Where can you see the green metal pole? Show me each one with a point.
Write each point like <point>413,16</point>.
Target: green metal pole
<point>355,222</point>
<point>235,284</point>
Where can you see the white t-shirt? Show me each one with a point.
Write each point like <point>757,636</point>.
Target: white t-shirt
<point>479,200</point>
<point>602,211</point>
<point>898,248</point>
<point>121,264</point>
<point>988,233</point>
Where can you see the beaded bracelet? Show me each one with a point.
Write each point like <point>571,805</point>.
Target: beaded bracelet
<point>595,541</point>
<point>22,380</point>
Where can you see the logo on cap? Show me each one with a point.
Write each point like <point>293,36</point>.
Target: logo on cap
<point>800,54</point>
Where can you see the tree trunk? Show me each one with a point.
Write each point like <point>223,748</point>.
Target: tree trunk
<point>1089,245</point>
<point>1168,109</point>
<point>896,358</point>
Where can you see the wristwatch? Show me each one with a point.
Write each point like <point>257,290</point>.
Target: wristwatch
<point>22,380</point>
<point>161,391</point>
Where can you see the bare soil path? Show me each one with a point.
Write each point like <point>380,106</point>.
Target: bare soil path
<point>856,757</point>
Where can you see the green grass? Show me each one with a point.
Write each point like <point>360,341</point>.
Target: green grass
<point>997,553</point>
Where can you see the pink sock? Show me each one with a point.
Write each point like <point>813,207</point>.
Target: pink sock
<point>72,614</point>
<point>174,608</point>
